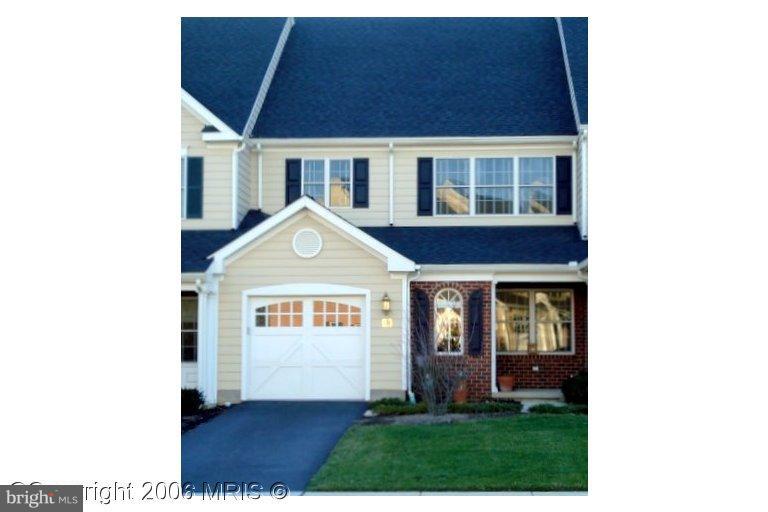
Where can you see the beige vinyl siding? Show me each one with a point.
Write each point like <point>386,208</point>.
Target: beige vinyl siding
<point>377,213</point>
<point>244,182</point>
<point>217,175</point>
<point>404,183</point>
<point>342,262</point>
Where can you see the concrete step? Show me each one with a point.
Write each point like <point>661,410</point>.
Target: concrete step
<point>531,394</point>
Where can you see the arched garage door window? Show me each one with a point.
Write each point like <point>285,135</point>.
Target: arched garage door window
<point>328,313</point>
<point>283,314</point>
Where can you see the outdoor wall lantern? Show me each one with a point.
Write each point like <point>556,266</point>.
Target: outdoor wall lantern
<point>386,304</point>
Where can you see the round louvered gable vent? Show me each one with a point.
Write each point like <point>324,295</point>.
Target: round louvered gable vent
<point>307,243</point>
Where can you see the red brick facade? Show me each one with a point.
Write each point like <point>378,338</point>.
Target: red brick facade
<point>552,368</point>
<point>478,367</point>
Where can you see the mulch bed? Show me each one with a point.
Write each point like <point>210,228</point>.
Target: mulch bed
<point>190,422</point>
<point>428,419</point>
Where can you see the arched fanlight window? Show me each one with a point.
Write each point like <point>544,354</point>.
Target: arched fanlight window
<point>449,325</point>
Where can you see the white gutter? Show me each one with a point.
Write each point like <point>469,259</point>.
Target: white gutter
<point>391,184</point>
<point>510,267</point>
<point>417,141</point>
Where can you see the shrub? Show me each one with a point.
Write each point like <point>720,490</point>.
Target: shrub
<point>399,409</point>
<point>574,388</point>
<point>191,401</point>
<point>388,401</point>
<point>485,407</point>
<point>557,409</point>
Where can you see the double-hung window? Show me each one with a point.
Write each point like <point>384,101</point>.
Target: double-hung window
<point>452,185</point>
<point>494,186</point>
<point>538,321</point>
<point>537,185</point>
<point>328,181</point>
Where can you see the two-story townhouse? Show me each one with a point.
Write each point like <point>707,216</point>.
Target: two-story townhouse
<point>348,184</point>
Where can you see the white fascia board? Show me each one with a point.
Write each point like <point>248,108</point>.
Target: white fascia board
<point>267,79</point>
<point>191,277</point>
<point>502,272</point>
<point>396,262</point>
<point>220,137</point>
<point>415,141</point>
<point>209,117</point>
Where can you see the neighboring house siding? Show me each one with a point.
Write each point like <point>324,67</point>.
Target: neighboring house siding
<point>405,187</point>
<point>217,175</point>
<point>377,213</point>
<point>341,261</point>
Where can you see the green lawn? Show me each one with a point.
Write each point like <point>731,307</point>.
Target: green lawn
<point>519,453</point>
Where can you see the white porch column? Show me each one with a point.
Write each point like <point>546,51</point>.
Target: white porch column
<point>208,334</point>
<point>494,387</point>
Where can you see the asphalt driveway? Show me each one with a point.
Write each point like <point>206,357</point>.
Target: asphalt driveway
<point>265,442</point>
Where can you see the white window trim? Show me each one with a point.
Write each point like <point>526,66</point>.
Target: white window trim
<point>434,312</point>
<point>532,323</point>
<point>184,155</point>
<point>327,181</point>
<point>515,194</point>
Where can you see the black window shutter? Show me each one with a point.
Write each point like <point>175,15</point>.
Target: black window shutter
<point>564,177</point>
<point>292,180</point>
<point>421,337</point>
<point>476,323</point>
<point>360,182</point>
<point>194,187</point>
<point>424,184</point>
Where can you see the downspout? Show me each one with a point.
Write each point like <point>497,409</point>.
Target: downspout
<point>391,184</point>
<point>583,134</point>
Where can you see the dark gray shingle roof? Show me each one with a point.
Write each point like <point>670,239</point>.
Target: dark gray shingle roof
<point>379,77</point>
<point>223,61</point>
<point>484,244</point>
<point>425,245</point>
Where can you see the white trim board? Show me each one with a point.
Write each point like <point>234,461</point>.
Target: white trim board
<point>396,262</point>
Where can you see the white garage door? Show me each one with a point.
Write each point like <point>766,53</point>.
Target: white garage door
<point>305,349</point>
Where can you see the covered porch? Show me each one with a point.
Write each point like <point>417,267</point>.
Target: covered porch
<point>539,338</point>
